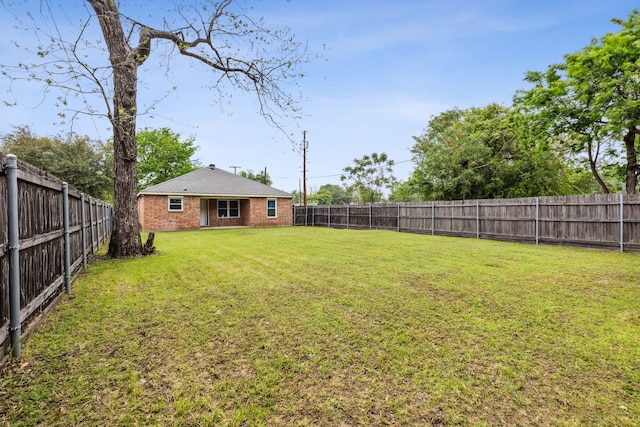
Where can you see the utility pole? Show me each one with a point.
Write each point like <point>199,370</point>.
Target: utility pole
<point>234,168</point>
<point>305,146</point>
<point>264,178</point>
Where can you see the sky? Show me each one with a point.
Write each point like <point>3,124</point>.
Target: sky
<point>384,68</point>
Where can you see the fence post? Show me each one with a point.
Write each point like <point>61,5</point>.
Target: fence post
<point>621,222</point>
<point>398,225</point>
<point>108,217</point>
<point>329,217</point>
<point>98,226</point>
<point>67,243</point>
<point>83,219</point>
<point>91,225</point>
<point>477,219</point>
<point>537,221</point>
<point>433,218</point>
<point>313,216</point>
<point>104,222</point>
<point>370,213</point>
<point>15,326</point>
<point>347,217</point>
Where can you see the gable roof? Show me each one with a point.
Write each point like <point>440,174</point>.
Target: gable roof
<point>211,181</point>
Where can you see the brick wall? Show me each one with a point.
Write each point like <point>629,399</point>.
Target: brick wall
<point>259,212</point>
<point>154,215</point>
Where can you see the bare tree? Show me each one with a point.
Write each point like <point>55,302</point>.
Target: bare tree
<point>222,36</point>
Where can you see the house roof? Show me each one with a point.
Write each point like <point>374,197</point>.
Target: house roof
<point>212,181</point>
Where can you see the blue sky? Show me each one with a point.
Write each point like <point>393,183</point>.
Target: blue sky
<point>386,67</point>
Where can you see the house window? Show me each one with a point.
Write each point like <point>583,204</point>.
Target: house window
<point>228,208</point>
<point>175,204</point>
<point>272,210</point>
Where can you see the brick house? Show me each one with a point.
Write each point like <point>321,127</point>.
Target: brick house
<point>212,197</point>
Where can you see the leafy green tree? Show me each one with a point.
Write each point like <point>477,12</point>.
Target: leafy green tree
<point>555,119</point>
<point>296,197</point>
<point>320,197</point>
<point>81,162</point>
<point>330,194</point>
<point>591,103</point>
<point>163,156</point>
<point>406,191</point>
<point>238,49</point>
<point>476,154</point>
<point>262,176</point>
<point>370,176</point>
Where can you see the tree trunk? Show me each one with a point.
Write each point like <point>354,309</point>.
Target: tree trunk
<point>594,169</point>
<point>148,248</point>
<point>596,175</point>
<point>125,237</point>
<point>632,161</point>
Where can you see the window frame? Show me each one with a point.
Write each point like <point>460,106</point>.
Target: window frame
<point>228,209</point>
<point>170,204</point>
<point>274,208</point>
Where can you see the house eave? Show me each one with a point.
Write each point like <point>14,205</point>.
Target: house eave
<point>213,196</point>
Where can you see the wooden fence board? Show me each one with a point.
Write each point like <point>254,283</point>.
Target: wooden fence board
<point>42,242</point>
<point>589,221</point>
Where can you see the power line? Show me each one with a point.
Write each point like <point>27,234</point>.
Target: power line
<point>334,175</point>
<point>340,174</point>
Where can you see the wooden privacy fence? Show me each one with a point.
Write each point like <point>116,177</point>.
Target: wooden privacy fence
<point>598,221</point>
<point>47,229</point>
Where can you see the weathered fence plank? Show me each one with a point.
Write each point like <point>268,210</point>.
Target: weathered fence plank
<point>599,221</point>
<point>48,252</point>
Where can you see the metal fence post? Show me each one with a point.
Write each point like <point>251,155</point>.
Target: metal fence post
<point>537,220</point>
<point>104,222</point>
<point>621,222</point>
<point>433,218</point>
<point>91,224</point>
<point>15,326</point>
<point>347,217</point>
<point>477,219</point>
<point>101,214</point>
<point>83,218</point>
<point>67,243</point>
<point>98,242</point>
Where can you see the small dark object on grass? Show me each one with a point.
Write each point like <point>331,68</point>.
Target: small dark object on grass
<point>148,247</point>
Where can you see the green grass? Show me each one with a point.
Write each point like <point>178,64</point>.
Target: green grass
<point>312,326</point>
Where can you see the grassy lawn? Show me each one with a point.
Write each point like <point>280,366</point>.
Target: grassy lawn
<point>312,326</point>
